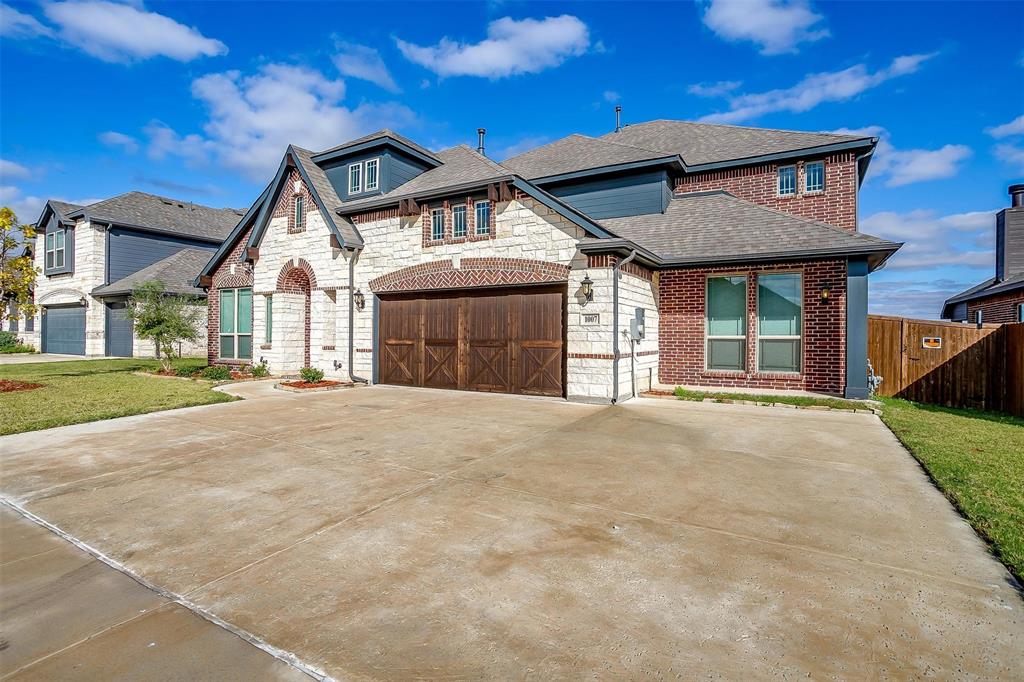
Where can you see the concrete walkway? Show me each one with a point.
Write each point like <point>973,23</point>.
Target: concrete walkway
<point>67,615</point>
<point>388,533</point>
<point>26,358</point>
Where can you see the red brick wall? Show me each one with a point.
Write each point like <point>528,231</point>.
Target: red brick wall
<point>836,205</point>
<point>681,339</point>
<point>223,279</point>
<point>285,207</point>
<point>997,308</point>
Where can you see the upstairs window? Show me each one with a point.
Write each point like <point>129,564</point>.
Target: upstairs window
<point>372,174</point>
<point>726,323</point>
<point>483,217</point>
<point>814,177</point>
<point>55,249</point>
<point>459,221</point>
<point>437,224</point>
<point>787,181</point>
<point>355,178</point>
<point>300,212</point>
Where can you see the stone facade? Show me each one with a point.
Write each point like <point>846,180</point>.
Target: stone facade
<point>835,205</point>
<point>998,308</point>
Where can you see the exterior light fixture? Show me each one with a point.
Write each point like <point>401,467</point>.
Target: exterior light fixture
<point>587,287</point>
<point>826,292</point>
<point>83,302</point>
<point>359,299</point>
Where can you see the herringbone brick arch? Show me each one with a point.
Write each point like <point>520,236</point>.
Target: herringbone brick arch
<point>472,272</point>
<point>286,273</point>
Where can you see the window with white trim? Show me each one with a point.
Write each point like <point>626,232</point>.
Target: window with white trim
<point>355,178</point>
<point>55,249</point>
<point>814,176</point>
<point>483,217</point>
<point>779,322</point>
<point>372,175</point>
<point>437,224</point>
<point>726,323</point>
<point>300,211</point>
<point>787,181</point>
<point>236,324</point>
<point>459,221</point>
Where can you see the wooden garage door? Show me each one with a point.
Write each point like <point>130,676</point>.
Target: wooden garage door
<point>508,341</point>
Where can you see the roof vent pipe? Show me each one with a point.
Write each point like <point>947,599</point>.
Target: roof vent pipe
<point>618,117</point>
<point>480,132</point>
<point>1016,196</point>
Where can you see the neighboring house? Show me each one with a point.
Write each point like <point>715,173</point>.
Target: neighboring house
<point>91,258</point>
<point>1000,298</point>
<point>589,268</point>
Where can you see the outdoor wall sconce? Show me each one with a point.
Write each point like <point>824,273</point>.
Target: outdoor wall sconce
<point>359,299</point>
<point>826,292</point>
<point>83,302</point>
<point>587,287</point>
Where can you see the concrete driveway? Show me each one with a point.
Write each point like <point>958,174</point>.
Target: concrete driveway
<point>27,358</point>
<point>382,533</point>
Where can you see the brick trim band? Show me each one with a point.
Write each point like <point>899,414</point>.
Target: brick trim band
<point>472,272</point>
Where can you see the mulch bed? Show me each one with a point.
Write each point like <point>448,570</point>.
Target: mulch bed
<point>308,384</point>
<point>9,386</point>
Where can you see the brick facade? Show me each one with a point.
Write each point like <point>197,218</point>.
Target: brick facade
<point>681,310</point>
<point>835,205</point>
<point>224,278</point>
<point>449,234</point>
<point>285,208</point>
<point>998,308</point>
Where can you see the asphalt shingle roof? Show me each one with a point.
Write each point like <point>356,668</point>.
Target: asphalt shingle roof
<point>168,215</point>
<point>461,165</point>
<point>381,134</point>
<point>64,208</point>
<point>573,153</point>
<point>177,272</point>
<point>987,288</point>
<point>718,227</point>
<point>325,190</point>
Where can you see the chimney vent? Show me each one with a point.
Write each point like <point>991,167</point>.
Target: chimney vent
<point>1016,196</point>
<point>618,117</point>
<point>480,132</point>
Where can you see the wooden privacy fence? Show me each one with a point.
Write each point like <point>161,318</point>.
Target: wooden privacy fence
<point>948,363</point>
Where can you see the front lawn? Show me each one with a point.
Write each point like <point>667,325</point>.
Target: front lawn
<point>89,390</point>
<point>977,460</point>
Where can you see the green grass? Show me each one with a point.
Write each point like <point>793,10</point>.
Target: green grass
<point>802,401</point>
<point>977,460</point>
<point>89,390</point>
<point>17,348</point>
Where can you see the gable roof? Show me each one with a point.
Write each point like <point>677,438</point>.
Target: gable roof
<point>717,227</point>
<point>383,135</point>
<point>329,199</point>
<point>161,214</point>
<point>574,153</point>
<point>228,244</point>
<point>178,272</point>
<point>989,287</point>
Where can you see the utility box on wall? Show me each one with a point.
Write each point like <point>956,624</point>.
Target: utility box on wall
<point>636,325</point>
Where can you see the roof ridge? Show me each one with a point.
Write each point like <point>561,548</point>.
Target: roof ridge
<point>741,127</point>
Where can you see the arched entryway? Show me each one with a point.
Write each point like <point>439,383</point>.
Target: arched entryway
<point>292,309</point>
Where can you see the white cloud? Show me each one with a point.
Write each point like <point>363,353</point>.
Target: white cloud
<point>10,169</point>
<point>359,61</point>
<point>611,96</point>
<point>778,26</point>
<point>815,89</point>
<point>512,47</point>
<point>1011,154</point>
<point>906,166</point>
<point>519,146</point>
<point>112,138</point>
<point>114,32</point>
<point>719,89</point>
<point>253,118</point>
<point>1014,127</point>
<point>914,297</point>
<point>28,208</point>
<point>934,241</point>
<point>15,24</point>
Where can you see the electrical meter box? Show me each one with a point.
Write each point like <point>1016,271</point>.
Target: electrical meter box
<point>636,325</point>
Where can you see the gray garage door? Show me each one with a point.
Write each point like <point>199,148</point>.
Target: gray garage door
<point>119,331</point>
<point>64,329</point>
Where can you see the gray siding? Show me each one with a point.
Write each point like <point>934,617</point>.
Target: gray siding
<point>639,194</point>
<point>402,169</point>
<point>1009,243</point>
<point>395,169</point>
<point>129,251</point>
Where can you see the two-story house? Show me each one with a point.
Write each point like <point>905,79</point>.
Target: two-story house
<point>1001,297</point>
<point>589,268</point>
<point>91,258</point>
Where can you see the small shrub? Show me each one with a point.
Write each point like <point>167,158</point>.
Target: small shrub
<point>8,340</point>
<point>17,348</point>
<point>311,375</point>
<point>217,372</point>
<point>187,372</point>
<point>259,371</point>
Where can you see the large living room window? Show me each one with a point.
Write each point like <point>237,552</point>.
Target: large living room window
<point>236,324</point>
<point>726,323</point>
<point>779,313</point>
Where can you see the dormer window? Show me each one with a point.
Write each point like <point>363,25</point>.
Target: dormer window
<point>787,181</point>
<point>300,212</point>
<point>55,249</point>
<point>372,174</point>
<point>355,178</point>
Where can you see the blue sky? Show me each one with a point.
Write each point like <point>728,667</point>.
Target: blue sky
<point>198,100</point>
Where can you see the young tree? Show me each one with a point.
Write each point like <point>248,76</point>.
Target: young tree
<point>164,318</point>
<point>17,273</point>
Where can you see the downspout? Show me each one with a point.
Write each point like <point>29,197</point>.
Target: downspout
<point>615,325</point>
<point>352,319</point>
